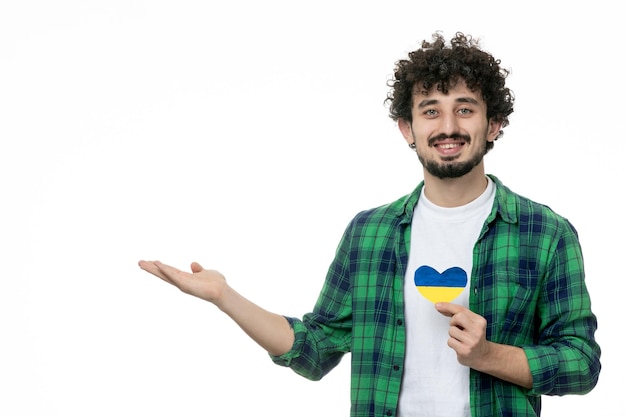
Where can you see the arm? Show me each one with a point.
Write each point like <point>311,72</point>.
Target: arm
<point>561,355</point>
<point>324,335</point>
<point>271,331</point>
<point>468,340</point>
<point>566,358</point>
<point>311,346</point>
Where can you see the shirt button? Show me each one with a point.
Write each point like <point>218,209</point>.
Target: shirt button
<point>399,322</point>
<point>389,413</point>
<point>396,367</point>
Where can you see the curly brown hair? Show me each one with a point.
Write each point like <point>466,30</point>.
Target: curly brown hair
<point>437,64</point>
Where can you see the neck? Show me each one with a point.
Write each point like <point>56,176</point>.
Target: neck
<point>455,192</point>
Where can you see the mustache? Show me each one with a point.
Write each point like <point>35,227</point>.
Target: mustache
<point>442,136</point>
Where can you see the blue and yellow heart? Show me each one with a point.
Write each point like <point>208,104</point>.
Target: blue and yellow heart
<point>438,287</point>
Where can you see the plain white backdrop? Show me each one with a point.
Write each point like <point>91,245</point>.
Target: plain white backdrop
<point>244,135</point>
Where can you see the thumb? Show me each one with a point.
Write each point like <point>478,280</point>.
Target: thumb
<point>448,309</point>
<point>196,267</point>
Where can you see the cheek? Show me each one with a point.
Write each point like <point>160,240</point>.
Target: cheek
<point>423,132</point>
<point>481,133</point>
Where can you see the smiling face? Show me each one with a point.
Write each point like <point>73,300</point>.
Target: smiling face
<point>450,131</point>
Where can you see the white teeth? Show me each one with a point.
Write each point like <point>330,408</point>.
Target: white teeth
<point>448,145</point>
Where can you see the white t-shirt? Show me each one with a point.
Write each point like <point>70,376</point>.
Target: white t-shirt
<point>434,383</point>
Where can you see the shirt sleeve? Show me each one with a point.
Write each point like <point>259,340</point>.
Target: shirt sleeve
<point>323,336</point>
<point>566,359</point>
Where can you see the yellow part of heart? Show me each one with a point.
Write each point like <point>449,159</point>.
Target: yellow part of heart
<point>440,294</point>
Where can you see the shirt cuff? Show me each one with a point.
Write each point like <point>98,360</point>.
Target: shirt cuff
<point>299,332</point>
<point>544,364</point>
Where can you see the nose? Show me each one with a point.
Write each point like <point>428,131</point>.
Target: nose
<point>449,123</point>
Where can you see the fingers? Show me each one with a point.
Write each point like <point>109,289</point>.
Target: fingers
<point>449,309</point>
<point>196,267</point>
<point>467,328</point>
<point>150,266</point>
<point>460,316</point>
<point>463,321</point>
<point>458,333</point>
<point>171,274</point>
<point>467,331</point>
<point>159,269</point>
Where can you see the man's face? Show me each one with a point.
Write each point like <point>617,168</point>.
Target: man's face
<point>450,131</point>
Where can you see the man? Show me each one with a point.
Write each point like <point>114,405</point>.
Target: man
<point>460,299</point>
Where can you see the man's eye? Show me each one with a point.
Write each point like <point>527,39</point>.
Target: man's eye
<point>465,111</point>
<point>430,112</point>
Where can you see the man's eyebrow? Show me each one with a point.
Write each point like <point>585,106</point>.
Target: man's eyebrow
<point>426,103</point>
<point>468,100</point>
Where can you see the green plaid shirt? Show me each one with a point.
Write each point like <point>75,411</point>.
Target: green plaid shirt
<point>527,282</point>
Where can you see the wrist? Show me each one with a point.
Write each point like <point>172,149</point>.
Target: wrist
<point>226,299</point>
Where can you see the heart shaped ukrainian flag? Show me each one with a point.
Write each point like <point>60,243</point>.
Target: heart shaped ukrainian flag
<point>438,287</point>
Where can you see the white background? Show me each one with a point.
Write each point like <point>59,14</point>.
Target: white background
<point>245,135</point>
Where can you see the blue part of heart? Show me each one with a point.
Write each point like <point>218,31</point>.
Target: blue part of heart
<point>426,276</point>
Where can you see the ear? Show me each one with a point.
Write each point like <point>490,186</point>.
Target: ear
<point>406,130</point>
<point>494,130</point>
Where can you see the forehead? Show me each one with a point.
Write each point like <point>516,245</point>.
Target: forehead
<point>458,93</point>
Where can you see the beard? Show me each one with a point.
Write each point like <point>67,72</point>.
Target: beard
<point>448,168</point>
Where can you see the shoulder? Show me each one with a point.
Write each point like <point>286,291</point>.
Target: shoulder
<point>383,220</point>
<point>530,215</point>
<point>395,211</point>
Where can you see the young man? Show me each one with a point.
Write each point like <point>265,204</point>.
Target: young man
<point>460,299</point>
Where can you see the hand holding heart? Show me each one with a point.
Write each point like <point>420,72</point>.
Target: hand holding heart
<point>467,334</point>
